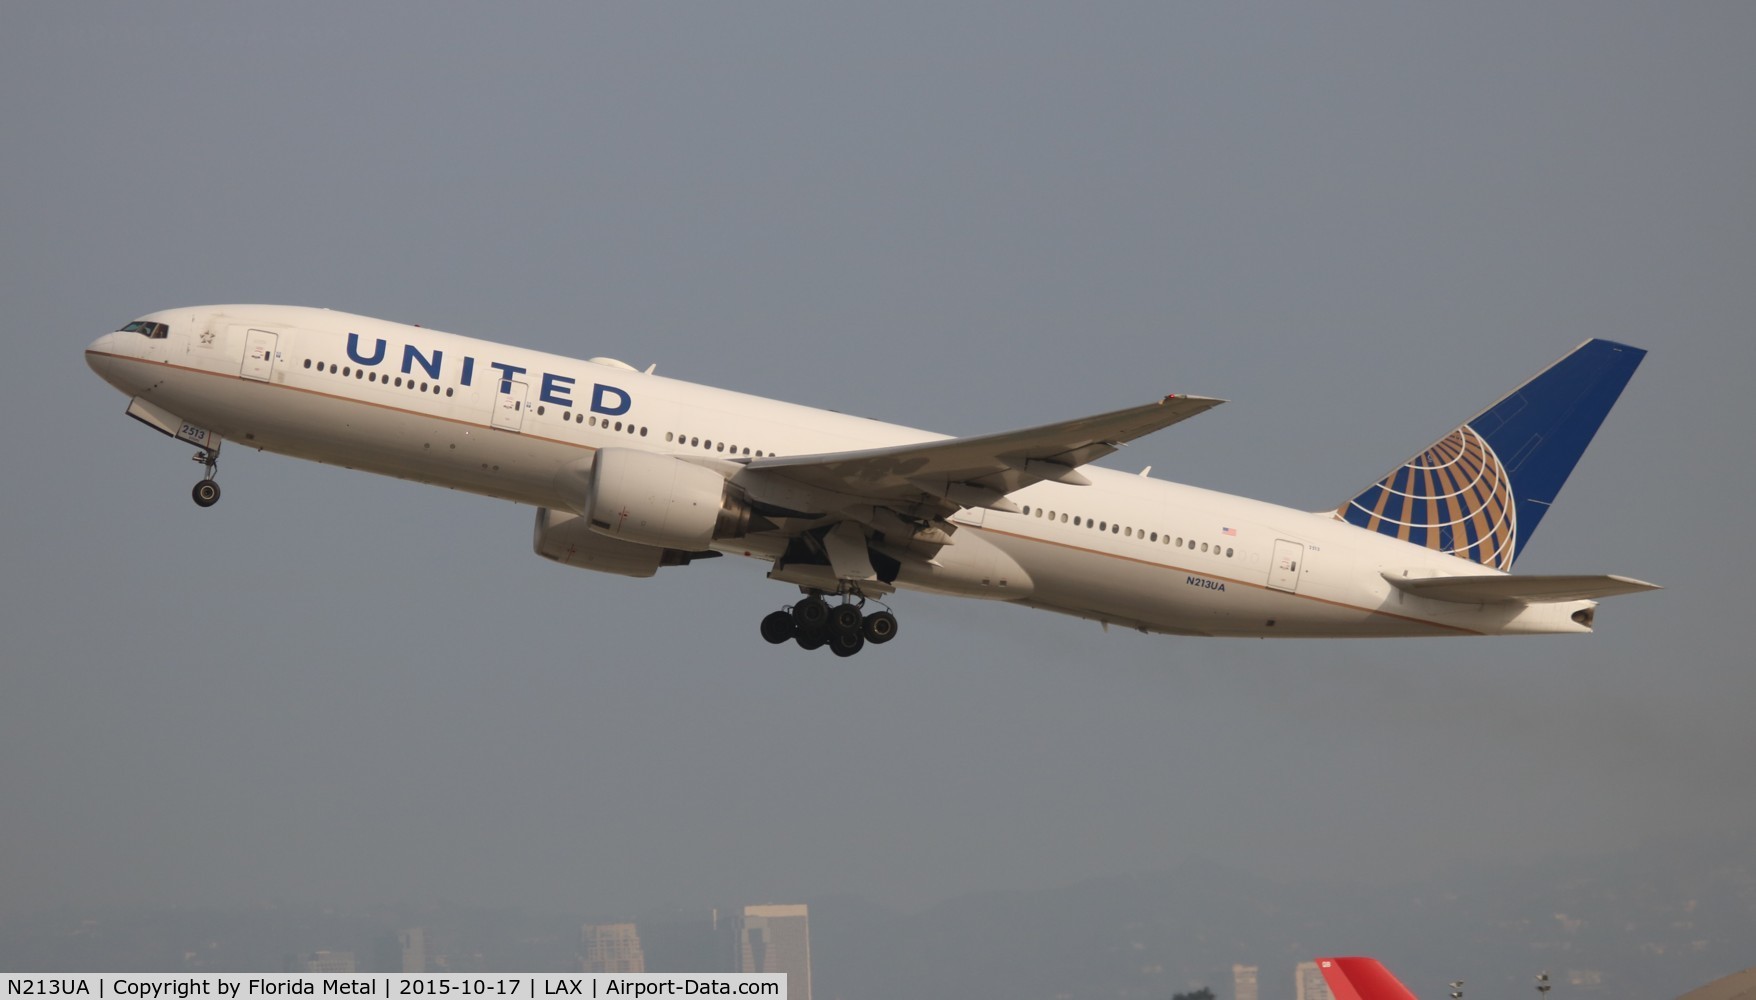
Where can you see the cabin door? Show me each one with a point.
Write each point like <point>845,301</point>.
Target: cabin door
<point>1283,569</point>
<point>509,405</point>
<point>259,348</point>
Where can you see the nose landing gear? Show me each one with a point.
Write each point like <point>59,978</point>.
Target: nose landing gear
<point>813,623</point>
<point>207,492</point>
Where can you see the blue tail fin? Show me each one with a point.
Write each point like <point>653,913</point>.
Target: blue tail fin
<point>1480,491</point>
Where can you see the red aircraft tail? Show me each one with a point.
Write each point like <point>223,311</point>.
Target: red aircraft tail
<point>1361,979</point>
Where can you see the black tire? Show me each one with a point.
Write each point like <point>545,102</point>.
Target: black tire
<point>811,612</point>
<point>846,643</point>
<point>778,627</point>
<point>879,627</point>
<point>844,618</point>
<point>811,638</point>
<point>206,493</point>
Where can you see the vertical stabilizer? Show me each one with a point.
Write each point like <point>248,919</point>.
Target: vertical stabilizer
<point>1480,491</point>
<point>1361,979</point>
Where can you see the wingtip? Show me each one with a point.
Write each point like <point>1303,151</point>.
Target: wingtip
<point>1641,585</point>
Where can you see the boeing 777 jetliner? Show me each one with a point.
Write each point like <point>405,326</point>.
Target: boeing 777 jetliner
<point>631,472</point>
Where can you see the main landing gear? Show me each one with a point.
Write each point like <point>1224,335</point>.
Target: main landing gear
<point>814,622</point>
<point>207,492</point>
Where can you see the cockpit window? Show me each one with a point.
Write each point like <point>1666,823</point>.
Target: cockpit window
<point>151,331</point>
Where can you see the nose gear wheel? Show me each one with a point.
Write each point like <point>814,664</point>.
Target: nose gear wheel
<point>207,492</point>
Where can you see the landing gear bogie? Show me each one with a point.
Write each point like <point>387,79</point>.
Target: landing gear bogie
<point>813,623</point>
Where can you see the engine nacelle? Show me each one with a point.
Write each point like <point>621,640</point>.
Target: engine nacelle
<point>652,499</point>
<point>567,539</point>
<point>971,566</point>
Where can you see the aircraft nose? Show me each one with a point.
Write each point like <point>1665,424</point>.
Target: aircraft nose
<point>105,355</point>
<point>109,345</point>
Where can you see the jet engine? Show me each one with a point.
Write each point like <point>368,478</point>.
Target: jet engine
<point>652,499</point>
<point>567,539</point>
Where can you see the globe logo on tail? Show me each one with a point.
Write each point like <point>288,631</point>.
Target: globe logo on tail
<point>1455,497</point>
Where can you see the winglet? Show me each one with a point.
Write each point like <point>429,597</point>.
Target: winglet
<point>1359,978</point>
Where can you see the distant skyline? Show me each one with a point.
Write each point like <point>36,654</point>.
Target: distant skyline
<point>1625,925</point>
<point>1356,225</point>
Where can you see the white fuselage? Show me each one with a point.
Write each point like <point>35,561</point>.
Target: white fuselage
<point>502,421</point>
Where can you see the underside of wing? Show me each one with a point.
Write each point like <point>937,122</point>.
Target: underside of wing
<point>935,478</point>
<point>1496,588</point>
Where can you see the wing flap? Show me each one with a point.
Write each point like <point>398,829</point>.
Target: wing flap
<point>1497,588</point>
<point>954,471</point>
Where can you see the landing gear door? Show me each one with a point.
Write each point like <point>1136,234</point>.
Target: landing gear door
<point>259,348</point>
<point>1283,569</point>
<point>509,405</point>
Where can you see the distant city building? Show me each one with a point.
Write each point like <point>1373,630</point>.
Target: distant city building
<point>1244,982</point>
<point>325,962</point>
<point>1309,983</point>
<point>611,948</point>
<point>699,943</point>
<point>412,944</point>
<point>777,939</point>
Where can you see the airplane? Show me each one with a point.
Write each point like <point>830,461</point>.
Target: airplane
<point>631,472</point>
<point>1360,978</point>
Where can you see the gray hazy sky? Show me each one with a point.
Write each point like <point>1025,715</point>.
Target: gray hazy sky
<point>1360,224</point>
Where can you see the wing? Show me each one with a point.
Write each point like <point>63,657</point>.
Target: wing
<point>935,478</point>
<point>1496,589</point>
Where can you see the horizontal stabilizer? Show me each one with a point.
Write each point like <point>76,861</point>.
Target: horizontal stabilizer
<point>1496,589</point>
